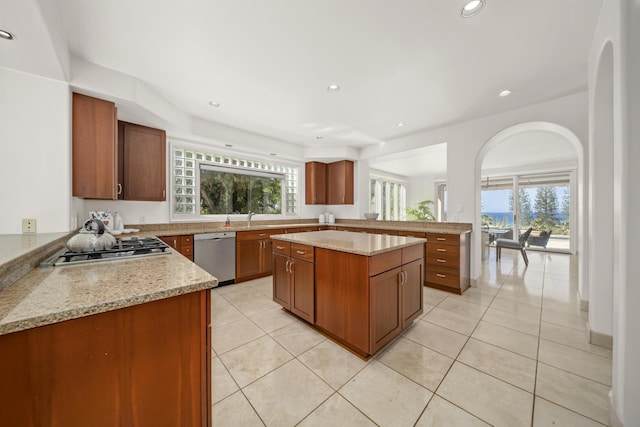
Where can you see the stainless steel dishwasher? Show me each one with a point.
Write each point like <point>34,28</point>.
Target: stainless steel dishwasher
<point>216,253</point>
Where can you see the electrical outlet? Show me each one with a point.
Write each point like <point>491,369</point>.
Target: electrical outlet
<point>29,225</point>
<point>142,220</point>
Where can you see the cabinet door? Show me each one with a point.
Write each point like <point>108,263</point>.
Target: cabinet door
<point>315,184</point>
<point>248,258</point>
<point>267,266</point>
<point>302,292</point>
<point>411,291</point>
<point>94,161</point>
<point>173,241</point>
<point>385,308</point>
<point>143,156</point>
<point>281,280</point>
<point>340,183</point>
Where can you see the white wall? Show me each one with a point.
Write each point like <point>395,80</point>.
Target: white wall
<point>619,28</point>
<point>35,161</point>
<point>422,187</point>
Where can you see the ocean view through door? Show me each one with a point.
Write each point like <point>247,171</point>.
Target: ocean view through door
<point>510,205</point>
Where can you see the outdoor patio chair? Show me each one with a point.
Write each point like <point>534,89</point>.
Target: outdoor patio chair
<point>540,240</point>
<point>514,244</point>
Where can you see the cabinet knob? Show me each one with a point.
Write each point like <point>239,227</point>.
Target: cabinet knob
<point>442,250</point>
<point>301,252</point>
<point>441,275</point>
<point>441,238</point>
<point>441,260</point>
<point>280,247</point>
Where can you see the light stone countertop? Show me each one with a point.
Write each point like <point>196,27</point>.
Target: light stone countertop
<point>50,295</point>
<point>356,243</point>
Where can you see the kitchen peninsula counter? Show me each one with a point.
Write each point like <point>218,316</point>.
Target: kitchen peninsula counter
<point>54,294</point>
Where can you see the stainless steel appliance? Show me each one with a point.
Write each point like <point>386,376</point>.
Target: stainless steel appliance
<point>132,247</point>
<point>216,253</point>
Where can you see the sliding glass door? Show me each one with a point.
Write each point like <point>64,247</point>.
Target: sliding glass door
<point>512,204</point>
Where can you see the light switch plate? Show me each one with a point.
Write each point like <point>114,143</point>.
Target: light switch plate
<point>29,225</point>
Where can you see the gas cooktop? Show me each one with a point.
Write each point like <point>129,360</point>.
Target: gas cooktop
<point>129,248</point>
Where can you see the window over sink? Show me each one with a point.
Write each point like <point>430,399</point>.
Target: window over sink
<point>207,183</point>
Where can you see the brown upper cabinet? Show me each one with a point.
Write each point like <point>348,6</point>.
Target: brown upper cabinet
<point>315,185</point>
<point>333,187</point>
<point>112,159</point>
<point>142,160</point>
<point>95,156</point>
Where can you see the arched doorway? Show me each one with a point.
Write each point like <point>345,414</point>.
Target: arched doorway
<point>559,133</point>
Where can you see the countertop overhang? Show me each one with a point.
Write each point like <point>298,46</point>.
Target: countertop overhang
<point>55,294</point>
<point>366,244</point>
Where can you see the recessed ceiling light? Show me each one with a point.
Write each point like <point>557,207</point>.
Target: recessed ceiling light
<point>504,93</point>
<point>400,124</point>
<point>228,145</point>
<point>272,154</point>
<point>6,35</point>
<point>333,88</point>
<point>319,137</point>
<point>214,104</point>
<point>472,8</point>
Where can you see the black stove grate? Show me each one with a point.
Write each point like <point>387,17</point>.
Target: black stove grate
<point>123,249</point>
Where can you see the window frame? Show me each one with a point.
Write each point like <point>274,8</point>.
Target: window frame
<point>290,169</point>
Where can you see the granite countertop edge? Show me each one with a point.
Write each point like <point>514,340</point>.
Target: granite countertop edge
<point>292,238</point>
<point>101,307</point>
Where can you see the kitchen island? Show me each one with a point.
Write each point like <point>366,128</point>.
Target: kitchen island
<point>360,289</point>
<point>112,343</point>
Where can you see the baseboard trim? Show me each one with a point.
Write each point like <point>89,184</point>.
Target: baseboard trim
<point>584,304</point>
<point>602,340</point>
<point>614,418</point>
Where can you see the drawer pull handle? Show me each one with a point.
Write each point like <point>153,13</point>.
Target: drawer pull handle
<point>301,252</point>
<point>441,275</point>
<point>280,247</point>
<point>441,260</point>
<point>262,234</point>
<point>442,250</point>
<point>441,238</point>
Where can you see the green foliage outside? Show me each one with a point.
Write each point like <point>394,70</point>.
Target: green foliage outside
<point>543,215</point>
<point>422,212</point>
<point>225,193</point>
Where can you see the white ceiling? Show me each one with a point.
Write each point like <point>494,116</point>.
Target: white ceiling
<point>268,63</point>
<point>431,160</point>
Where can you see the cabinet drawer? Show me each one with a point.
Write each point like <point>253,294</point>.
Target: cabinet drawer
<point>385,261</point>
<point>440,250</point>
<point>443,239</point>
<point>186,250</point>
<point>186,240</point>
<point>412,253</point>
<point>257,234</point>
<point>304,252</point>
<point>443,276</point>
<point>281,247</point>
<point>445,260</point>
<point>412,233</point>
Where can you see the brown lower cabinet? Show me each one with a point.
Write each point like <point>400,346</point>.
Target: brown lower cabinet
<point>293,278</point>
<point>182,244</point>
<point>448,262</point>
<point>365,302</point>
<point>253,254</point>
<point>145,365</point>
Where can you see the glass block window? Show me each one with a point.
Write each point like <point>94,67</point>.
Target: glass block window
<point>185,166</point>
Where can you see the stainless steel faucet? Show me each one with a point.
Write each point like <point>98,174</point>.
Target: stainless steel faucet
<point>251,214</point>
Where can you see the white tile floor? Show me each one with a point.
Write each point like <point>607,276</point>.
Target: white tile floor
<point>512,351</point>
